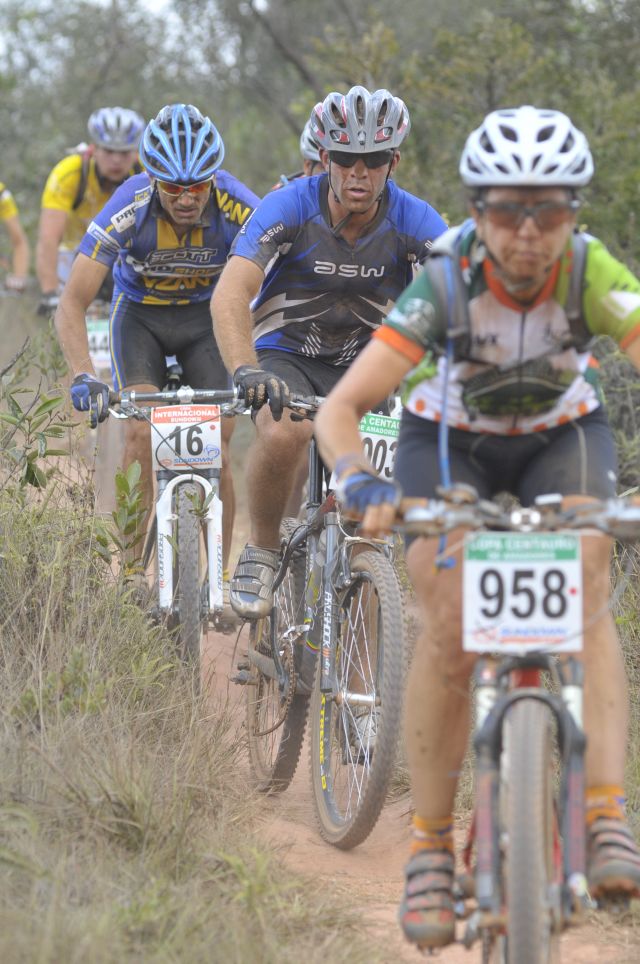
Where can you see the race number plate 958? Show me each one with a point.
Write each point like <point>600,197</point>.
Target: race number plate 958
<point>522,592</point>
<point>186,437</point>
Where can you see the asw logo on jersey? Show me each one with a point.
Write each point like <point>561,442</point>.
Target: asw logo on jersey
<point>348,270</point>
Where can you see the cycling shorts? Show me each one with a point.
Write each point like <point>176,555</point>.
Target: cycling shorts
<point>303,375</point>
<point>142,336</point>
<point>578,458</point>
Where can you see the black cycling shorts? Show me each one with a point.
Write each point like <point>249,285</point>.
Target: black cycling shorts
<point>578,458</point>
<point>142,336</point>
<point>303,375</point>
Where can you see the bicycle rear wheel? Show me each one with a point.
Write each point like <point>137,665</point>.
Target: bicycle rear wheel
<point>188,569</point>
<point>276,715</point>
<point>354,733</point>
<point>531,872</point>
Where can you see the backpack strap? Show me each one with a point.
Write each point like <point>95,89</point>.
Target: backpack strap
<point>581,337</point>
<point>84,177</point>
<point>448,245</point>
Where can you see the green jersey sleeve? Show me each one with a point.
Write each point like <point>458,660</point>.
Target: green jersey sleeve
<point>611,296</point>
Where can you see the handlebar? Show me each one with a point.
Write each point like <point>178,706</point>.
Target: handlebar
<point>231,403</point>
<point>461,507</point>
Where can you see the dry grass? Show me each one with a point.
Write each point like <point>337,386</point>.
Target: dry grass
<point>127,832</point>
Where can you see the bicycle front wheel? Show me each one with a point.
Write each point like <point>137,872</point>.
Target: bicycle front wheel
<point>188,568</point>
<point>354,731</point>
<point>276,714</point>
<point>532,874</point>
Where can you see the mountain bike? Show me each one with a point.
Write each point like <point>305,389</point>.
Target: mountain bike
<point>522,590</point>
<point>185,533</point>
<point>333,647</point>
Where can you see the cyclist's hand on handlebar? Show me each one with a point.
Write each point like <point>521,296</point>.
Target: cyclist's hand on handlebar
<point>258,387</point>
<point>88,394</point>
<point>363,493</point>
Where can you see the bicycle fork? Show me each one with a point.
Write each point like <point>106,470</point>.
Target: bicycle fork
<point>212,521</point>
<point>492,704</point>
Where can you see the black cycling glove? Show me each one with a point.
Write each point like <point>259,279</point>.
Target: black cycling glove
<point>258,387</point>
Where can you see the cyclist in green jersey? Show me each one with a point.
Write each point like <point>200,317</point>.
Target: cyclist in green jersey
<point>492,339</point>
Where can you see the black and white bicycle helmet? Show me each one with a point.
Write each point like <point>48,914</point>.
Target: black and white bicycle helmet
<point>526,147</point>
<point>360,122</point>
<point>116,128</point>
<point>309,147</point>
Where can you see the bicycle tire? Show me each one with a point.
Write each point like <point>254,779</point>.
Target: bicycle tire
<point>528,815</point>
<point>187,569</point>
<point>350,777</point>
<point>274,755</point>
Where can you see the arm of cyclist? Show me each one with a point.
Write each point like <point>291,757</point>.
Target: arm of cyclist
<point>371,378</point>
<point>237,286</point>
<point>50,232</point>
<point>16,281</point>
<point>88,394</point>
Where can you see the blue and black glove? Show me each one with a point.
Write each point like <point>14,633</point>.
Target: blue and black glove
<point>258,387</point>
<point>90,395</point>
<point>362,488</point>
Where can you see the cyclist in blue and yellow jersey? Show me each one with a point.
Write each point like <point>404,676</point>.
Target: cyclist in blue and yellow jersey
<point>166,234</point>
<point>310,278</point>
<point>77,188</point>
<point>16,279</point>
<point>493,338</point>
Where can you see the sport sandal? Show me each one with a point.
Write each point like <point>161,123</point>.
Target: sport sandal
<point>251,591</point>
<point>613,859</point>
<point>426,913</point>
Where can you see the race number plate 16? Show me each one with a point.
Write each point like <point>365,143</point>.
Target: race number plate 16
<point>186,437</point>
<point>522,592</point>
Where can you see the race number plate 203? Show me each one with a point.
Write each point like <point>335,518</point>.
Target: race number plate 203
<point>186,437</point>
<point>379,435</point>
<point>522,592</point>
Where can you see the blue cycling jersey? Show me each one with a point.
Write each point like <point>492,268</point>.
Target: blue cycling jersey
<point>323,296</point>
<point>150,263</point>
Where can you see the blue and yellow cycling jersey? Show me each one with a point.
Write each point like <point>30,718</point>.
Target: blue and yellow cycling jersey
<point>151,264</point>
<point>322,295</point>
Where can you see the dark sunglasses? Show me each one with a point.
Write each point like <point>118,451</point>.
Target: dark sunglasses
<point>372,161</point>
<point>511,214</point>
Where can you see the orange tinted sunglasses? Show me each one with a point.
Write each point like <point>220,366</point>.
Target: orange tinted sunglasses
<point>177,190</point>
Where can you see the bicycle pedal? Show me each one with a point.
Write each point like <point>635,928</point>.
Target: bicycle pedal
<point>242,677</point>
<point>617,905</point>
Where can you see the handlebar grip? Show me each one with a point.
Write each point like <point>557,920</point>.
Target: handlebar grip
<point>114,398</point>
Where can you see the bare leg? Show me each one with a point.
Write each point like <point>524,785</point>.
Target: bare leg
<point>271,467</point>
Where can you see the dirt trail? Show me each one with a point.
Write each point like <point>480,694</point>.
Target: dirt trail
<point>369,878</point>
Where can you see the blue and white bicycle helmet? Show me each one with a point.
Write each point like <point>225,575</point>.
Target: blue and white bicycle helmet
<point>115,128</point>
<point>526,147</point>
<point>181,145</point>
<point>309,147</point>
<point>360,122</point>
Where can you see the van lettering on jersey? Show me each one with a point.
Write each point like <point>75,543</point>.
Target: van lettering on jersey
<point>232,209</point>
<point>348,270</point>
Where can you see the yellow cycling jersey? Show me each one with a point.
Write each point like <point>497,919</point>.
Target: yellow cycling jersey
<point>61,190</point>
<point>8,207</point>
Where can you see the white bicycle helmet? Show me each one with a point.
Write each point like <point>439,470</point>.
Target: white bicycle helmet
<point>526,147</point>
<point>360,122</point>
<point>116,128</point>
<point>309,147</point>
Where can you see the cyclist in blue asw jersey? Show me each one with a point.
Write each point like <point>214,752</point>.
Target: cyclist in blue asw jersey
<point>492,339</point>
<point>310,278</point>
<point>166,233</point>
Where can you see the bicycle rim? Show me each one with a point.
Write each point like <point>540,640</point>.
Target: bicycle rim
<point>276,719</point>
<point>532,893</point>
<point>354,741</point>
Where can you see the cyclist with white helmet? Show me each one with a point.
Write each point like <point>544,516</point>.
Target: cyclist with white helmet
<point>78,187</point>
<point>310,278</point>
<point>166,234</point>
<point>310,153</point>
<point>493,341</point>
